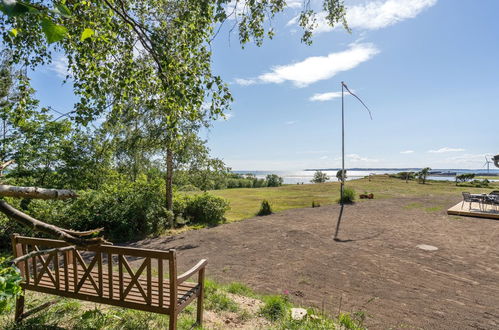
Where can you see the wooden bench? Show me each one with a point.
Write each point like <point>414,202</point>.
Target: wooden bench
<point>90,276</point>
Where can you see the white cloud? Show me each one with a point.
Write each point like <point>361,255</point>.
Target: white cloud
<point>325,96</point>
<point>291,122</point>
<point>379,14</point>
<point>317,68</point>
<point>445,149</point>
<point>407,152</point>
<point>375,15</point>
<point>60,66</point>
<point>324,157</point>
<point>245,82</point>
<point>294,3</point>
<point>355,158</point>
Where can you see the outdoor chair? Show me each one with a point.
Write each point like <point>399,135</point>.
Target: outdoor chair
<point>471,199</point>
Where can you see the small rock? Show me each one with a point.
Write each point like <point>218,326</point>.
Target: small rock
<point>298,314</point>
<point>427,247</point>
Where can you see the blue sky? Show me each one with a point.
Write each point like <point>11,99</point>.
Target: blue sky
<point>428,70</point>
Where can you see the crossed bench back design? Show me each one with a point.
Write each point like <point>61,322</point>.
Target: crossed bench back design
<point>68,274</point>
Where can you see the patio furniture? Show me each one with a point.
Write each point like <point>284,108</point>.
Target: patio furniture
<point>94,278</point>
<point>469,198</point>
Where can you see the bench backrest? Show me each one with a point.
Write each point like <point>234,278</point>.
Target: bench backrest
<point>95,265</point>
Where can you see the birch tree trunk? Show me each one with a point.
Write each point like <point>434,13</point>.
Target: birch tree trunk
<point>169,183</point>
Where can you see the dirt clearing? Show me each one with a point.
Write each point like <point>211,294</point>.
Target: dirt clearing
<point>376,268</point>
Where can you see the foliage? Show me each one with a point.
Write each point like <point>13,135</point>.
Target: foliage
<point>465,177</point>
<point>341,175</point>
<point>265,208</point>
<point>320,177</point>
<point>423,174</point>
<point>217,300</point>
<point>240,289</point>
<point>315,204</point>
<point>348,196</point>
<point>275,307</point>
<point>481,183</point>
<point>404,175</point>
<point>10,279</point>
<point>273,180</point>
<point>206,209</point>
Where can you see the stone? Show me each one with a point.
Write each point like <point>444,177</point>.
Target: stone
<point>427,247</point>
<point>298,314</point>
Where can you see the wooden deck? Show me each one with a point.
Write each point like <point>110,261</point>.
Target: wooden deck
<point>488,211</point>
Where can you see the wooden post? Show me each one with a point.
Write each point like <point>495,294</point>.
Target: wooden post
<point>173,291</point>
<point>199,319</point>
<point>17,249</point>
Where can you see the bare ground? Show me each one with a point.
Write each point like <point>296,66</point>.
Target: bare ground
<point>376,268</point>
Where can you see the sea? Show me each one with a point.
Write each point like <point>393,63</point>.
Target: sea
<point>305,176</point>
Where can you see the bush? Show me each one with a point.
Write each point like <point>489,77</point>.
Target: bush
<point>348,196</point>
<point>315,204</point>
<point>188,187</point>
<point>320,177</point>
<point>240,289</point>
<point>265,208</point>
<point>206,208</point>
<point>10,279</point>
<point>465,177</point>
<point>217,300</point>
<point>275,308</point>
<point>126,210</point>
<point>404,175</point>
<point>273,180</point>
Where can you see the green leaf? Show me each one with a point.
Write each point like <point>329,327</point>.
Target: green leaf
<point>63,9</point>
<point>53,32</point>
<point>13,8</point>
<point>87,33</point>
<point>13,32</point>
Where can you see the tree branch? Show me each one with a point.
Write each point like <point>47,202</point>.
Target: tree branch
<point>48,229</point>
<point>34,192</point>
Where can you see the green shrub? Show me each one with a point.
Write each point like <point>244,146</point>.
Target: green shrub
<point>273,180</point>
<point>275,307</point>
<point>217,300</point>
<point>180,202</point>
<point>240,289</point>
<point>348,196</point>
<point>265,208</point>
<point>10,279</point>
<point>188,187</point>
<point>320,177</point>
<point>315,204</point>
<point>259,183</point>
<point>206,208</point>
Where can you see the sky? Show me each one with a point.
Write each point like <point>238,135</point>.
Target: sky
<point>427,69</point>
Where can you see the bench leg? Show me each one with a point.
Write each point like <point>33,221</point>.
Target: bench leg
<point>199,319</point>
<point>173,321</point>
<point>19,307</point>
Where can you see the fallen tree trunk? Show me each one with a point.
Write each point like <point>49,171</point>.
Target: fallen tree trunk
<point>69,236</point>
<point>34,192</point>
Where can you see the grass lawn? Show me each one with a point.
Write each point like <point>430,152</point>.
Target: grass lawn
<point>488,177</point>
<point>245,202</point>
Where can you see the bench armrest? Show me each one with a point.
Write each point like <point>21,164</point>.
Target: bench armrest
<point>200,265</point>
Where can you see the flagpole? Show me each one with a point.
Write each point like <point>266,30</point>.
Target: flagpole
<point>342,142</point>
<point>342,161</point>
<point>342,183</point>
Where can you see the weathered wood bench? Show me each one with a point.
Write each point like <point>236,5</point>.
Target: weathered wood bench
<point>91,276</point>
